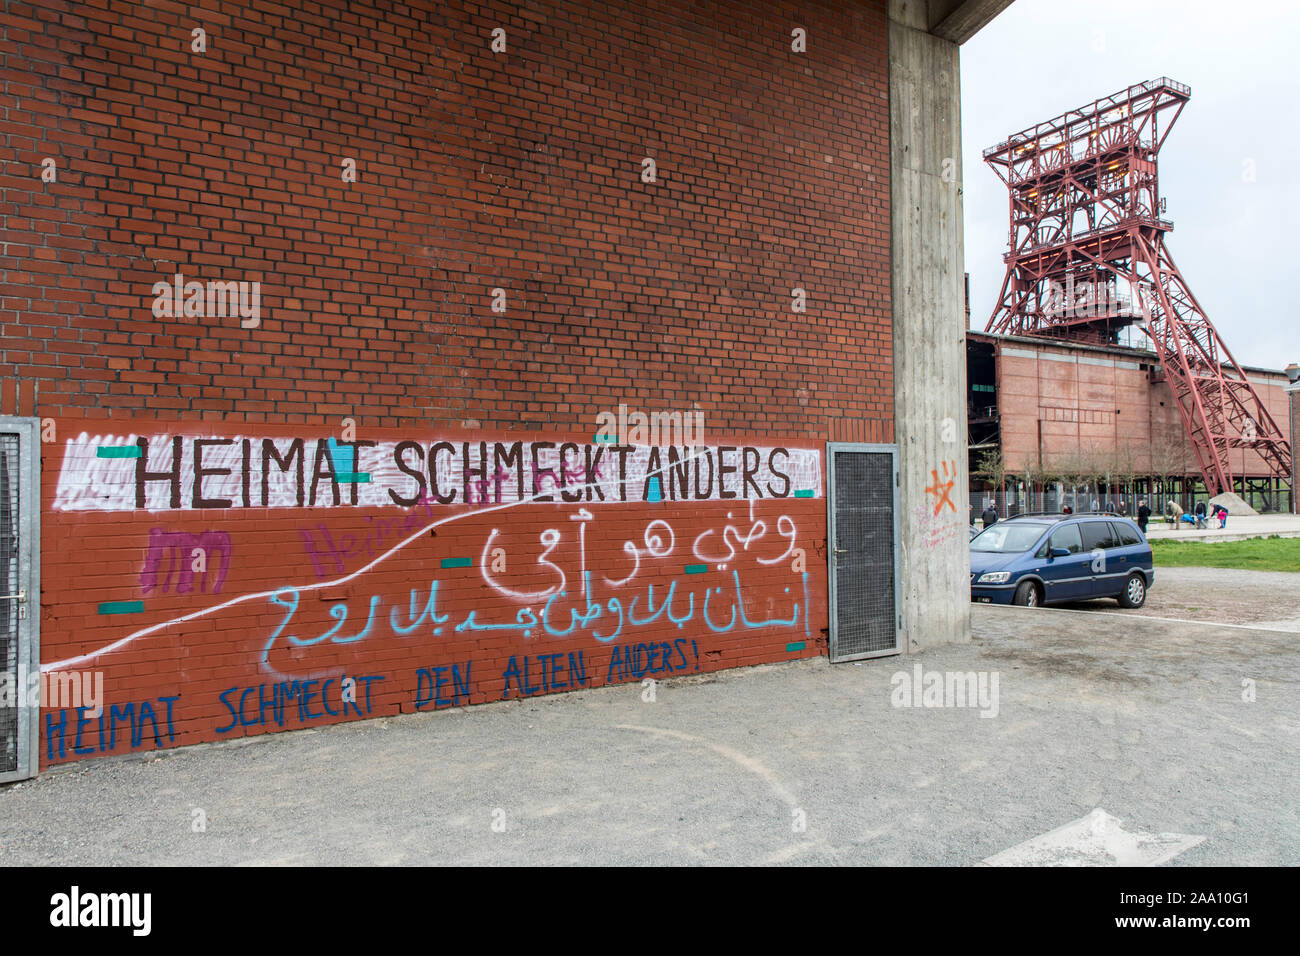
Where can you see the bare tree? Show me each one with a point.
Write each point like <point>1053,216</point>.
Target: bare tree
<point>993,467</point>
<point>1123,472</point>
<point>1167,454</point>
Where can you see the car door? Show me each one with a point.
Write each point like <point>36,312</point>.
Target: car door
<point>1132,554</point>
<point>1102,546</point>
<point>1066,578</point>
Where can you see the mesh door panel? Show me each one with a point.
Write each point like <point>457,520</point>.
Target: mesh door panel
<point>9,484</point>
<point>864,566</point>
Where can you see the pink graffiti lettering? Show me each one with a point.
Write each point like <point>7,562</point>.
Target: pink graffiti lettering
<point>178,547</point>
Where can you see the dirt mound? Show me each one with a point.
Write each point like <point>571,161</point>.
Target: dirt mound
<point>1234,504</point>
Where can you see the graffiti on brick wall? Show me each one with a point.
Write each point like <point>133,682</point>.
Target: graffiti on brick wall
<point>473,577</point>
<point>176,472</point>
<point>563,610</point>
<point>176,559</point>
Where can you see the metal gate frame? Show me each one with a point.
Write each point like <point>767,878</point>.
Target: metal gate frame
<point>29,577</point>
<point>833,642</point>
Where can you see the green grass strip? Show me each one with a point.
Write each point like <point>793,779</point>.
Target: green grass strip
<point>1253,554</point>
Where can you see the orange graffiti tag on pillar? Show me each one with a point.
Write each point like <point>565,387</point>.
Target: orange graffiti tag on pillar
<point>942,490</point>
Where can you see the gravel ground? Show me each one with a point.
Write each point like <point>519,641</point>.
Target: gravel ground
<point>1140,717</point>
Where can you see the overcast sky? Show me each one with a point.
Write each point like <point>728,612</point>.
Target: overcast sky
<point>1234,241</point>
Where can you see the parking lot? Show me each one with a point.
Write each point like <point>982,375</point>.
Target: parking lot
<point>1146,719</point>
<point>1217,595</point>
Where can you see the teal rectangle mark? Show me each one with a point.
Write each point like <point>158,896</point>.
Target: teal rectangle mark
<point>696,568</point>
<point>117,451</point>
<point>344,458</point>
<point>804,493</point>
<point>359,478</point>
<point>121,607</point>
<point>605,439</point>
<point>457,562</point>
<point>796,646</point>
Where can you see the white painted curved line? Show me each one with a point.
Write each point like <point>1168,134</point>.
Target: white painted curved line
<point>751,764</point>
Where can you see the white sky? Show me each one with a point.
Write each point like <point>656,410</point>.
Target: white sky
<point>1234,241</point>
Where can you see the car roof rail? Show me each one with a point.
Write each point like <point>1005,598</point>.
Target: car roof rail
<point>1063,515</point>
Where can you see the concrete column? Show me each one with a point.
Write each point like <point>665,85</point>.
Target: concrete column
<point>929,328</point>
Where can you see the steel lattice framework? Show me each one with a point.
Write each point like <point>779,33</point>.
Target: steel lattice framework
<point>1085,204</point>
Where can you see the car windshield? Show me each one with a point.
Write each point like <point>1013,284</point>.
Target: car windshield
<point>1008,537</point>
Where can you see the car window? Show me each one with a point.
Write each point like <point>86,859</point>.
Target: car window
<point>1067,537</point>
<point>1096,534</point>
<point>1127,534</point>
<point>1008,537</point>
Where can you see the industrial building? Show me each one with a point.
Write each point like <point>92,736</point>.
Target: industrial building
<point>1069,423</point>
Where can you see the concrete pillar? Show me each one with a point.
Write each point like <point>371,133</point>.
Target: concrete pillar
<point>929,328</point>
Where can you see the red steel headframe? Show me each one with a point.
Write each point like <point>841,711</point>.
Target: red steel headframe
<point>1085,204</point>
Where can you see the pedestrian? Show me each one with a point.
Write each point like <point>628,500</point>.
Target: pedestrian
<point>1200,515</point>
<point>1123,506</point>
<point>1094,504</point>
<point>990,516</point>
<point>1067,510</point>
<point>1223,516</point>
<point>1175,511</point>
<point>1144,515</point>
<point>1110,507</point>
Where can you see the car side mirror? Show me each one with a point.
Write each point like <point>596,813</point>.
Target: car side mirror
<point>1060,552</point>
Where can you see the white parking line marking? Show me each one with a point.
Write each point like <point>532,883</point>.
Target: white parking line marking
<point>1144,617</point>
<point>1095,840</point>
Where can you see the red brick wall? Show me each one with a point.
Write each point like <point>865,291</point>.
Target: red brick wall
<point>476,171</point>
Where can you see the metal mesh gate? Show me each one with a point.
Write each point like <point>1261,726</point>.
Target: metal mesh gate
<point>9,643</point>
<point>19,581</point>
<point>863,532</point>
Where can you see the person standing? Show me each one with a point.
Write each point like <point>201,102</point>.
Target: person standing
<point>1144,515</point>
<point>1174,510</point>
<point>990,516</point>
<point>1223,516</point>
<point>1200,515</point>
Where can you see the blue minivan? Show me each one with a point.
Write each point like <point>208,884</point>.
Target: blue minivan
<point>1038,559</point>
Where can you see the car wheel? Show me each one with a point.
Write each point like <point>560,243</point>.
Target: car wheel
<point>1135,591</point>
<point>1026,594</point>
